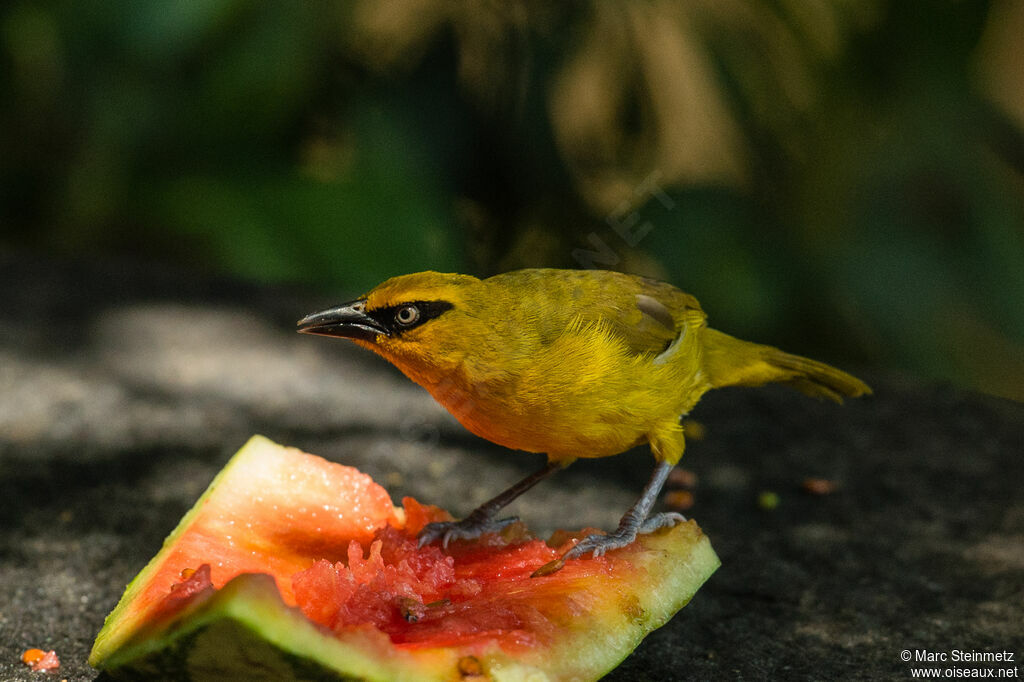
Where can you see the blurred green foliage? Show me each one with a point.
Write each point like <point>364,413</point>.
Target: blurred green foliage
<point>844,178</point>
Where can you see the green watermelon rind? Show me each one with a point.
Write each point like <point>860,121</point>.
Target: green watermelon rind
<point>246,631</point>
<point>114,624</point>
<point>121,622</point>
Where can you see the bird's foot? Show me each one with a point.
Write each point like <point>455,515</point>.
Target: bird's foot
<point>598,544</point>
<point>467,529</point>
<point>658,521</point>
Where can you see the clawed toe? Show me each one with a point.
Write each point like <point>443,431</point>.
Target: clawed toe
<point>598,544</point>
<point>467,529</point>
<point>592,544</point>
<point>659,521</point>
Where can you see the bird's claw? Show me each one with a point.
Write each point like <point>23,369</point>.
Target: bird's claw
<point>598,544</point>
<point>466,529</point>
<point>659,521</point>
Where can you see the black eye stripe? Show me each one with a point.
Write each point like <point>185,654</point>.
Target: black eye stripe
<point>428,311</point>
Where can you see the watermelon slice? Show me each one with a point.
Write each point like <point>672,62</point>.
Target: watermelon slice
<point>291,567</point>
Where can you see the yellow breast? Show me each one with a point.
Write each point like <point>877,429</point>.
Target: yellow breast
<point>584,395</point>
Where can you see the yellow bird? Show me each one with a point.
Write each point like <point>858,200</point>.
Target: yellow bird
<point>569,363</point>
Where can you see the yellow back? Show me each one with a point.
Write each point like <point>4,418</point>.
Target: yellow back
<point>577,363</point>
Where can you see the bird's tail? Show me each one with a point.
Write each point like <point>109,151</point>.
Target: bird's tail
<point>729,361</point>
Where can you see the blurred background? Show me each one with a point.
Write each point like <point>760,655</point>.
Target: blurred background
<point>843,178</point>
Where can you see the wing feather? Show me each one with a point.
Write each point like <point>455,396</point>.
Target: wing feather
<point>645,314</point>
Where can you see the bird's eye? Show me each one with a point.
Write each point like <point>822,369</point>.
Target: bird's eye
<point>407,315</point>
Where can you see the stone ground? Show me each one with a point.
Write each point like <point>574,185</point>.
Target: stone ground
<point>123,390</point>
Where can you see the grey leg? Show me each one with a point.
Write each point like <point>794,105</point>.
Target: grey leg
<point>637,520</point>
<point>481,519</point>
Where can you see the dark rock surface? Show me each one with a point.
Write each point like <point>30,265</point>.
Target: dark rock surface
<point>124,389</point>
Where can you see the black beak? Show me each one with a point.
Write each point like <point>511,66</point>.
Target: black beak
<point>348,321</point>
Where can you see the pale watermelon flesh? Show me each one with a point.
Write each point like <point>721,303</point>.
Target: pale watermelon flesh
<point>353,597</point>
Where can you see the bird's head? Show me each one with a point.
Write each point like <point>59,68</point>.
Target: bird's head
<point>412,320</point>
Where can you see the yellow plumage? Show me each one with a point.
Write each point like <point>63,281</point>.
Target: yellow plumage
<point>568,363</point>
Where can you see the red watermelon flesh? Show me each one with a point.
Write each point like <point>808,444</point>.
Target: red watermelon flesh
<point>424,597</point>
<point>353,597</point>
<point>268,511</point>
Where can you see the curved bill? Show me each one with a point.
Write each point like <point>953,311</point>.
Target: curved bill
<point>348,321</point>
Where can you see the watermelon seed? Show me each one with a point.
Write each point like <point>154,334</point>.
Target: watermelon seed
<point>411,609</point>
<point>549,568</point>
<point>469,667</point>
<point>414,611</point>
